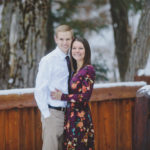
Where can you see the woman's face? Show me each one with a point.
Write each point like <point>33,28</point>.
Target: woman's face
<point>78,51</point>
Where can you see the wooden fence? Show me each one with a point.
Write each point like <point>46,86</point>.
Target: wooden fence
<point>142,78</point>
<point>112,110</point>
<point>141,137</point>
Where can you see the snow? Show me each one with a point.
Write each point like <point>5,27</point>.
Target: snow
<point>17,91</point>
<point>134,21</point>
<point>119,84</point>
<point>104,85</point>
<point>146,70</point>
<point>1,8</point>
<point>145,89</point>
<point>102,43</point>
<point>104,38</point>
<point>23,1</point>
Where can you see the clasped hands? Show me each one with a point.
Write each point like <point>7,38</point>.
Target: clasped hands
<point>56,95</point>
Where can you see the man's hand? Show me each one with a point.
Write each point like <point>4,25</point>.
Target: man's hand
<point>56,95</point>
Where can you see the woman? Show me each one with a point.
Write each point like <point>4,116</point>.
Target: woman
<point>78,127</point>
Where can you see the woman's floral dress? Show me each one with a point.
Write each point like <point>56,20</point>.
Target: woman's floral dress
<point>78,127</point>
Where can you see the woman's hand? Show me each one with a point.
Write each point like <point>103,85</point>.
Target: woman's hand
<point>56,95</point>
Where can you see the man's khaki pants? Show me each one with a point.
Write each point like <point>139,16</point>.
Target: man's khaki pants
<point>52,130</point>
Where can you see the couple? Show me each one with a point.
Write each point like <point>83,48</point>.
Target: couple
<point>66,117</point>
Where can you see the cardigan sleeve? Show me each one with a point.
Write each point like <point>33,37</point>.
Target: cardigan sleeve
<point>86,88</point>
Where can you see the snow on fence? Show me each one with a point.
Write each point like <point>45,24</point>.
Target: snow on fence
<point>112,107</point>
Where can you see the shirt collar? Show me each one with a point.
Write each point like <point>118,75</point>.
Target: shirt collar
<point>60,53</point>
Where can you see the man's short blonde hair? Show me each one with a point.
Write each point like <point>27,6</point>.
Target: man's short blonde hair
<point>63,28</point>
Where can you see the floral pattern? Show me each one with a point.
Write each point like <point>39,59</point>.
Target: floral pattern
<point>78,127</point>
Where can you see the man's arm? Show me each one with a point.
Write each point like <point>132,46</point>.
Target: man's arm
<point>42,92</point>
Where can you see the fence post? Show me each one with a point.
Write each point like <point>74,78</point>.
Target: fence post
<point>141,124</point>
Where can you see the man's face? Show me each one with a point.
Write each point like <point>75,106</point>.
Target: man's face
<point>63,40</point>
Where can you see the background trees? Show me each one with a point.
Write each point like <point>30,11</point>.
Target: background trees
<point>122,34</point>
<point>76,14</point>
<point>141,44</point>
<point>27,33</point>
<point>22,44</point>
<point>122,31</point>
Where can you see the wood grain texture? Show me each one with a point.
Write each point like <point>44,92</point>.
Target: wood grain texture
<point>113,124</point>
<point>17,101</point>
<point>124,121</point>
<point>99,94</point>
<point>12,129</point>
<point>141,137</point>
<point>38,130</point>
<point>94,111</point>
<point>112,113</point>
<point>142,78</point>
<point>20,129</point>
<point>2,130</point>
<point>122,92</point>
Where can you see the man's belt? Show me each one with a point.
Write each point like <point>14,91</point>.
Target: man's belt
<point>57,108</point>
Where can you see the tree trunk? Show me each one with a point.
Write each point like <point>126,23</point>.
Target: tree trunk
<point>4,42</point>
<point>23,41</point>
<point>50,43</point>
<point>122,35</point>
<point>141,46</point>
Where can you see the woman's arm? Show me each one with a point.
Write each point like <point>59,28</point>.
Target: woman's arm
<point>86,88</point>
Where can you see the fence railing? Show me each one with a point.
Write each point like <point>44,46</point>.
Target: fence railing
<point>112,107</point>
<point>142,78</point>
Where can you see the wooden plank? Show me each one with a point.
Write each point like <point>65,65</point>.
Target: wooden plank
<point>12,129</point>
<point>38,129</point>
<point>28,129</point>
<point>113,124</point>
<point>107,136</point>
<point>2,130</point>
<point>21,129</point>
<point>142,78</point>
<point>94,112</point>
<point>124,127</point>
<point>123,92</point>
<point>99,94</point>
<point>141,138</point>
<point>17,101</point>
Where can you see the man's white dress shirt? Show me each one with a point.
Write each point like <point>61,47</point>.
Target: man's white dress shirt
<point>53,73</point>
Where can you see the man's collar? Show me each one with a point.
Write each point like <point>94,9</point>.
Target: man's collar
<point>61,53</point>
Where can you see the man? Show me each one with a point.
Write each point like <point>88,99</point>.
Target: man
<point>53,74</point>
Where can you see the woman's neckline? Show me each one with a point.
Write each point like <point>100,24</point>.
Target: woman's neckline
<point>74,74</point>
